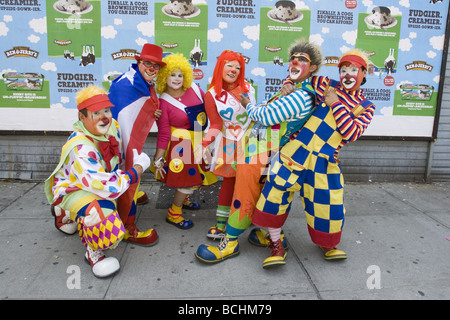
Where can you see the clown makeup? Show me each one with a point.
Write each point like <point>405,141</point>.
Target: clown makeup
<point>175,80</point>
<point>351,76</point>
<point>231,71</point>
<point>148,70</point>
<point>97,122</point>
<point>300,66</point>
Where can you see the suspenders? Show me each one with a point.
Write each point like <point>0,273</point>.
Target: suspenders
<point>357,110</point>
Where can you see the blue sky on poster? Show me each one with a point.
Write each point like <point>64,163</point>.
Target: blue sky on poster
<point>134,31</point>
<point>221,32</point>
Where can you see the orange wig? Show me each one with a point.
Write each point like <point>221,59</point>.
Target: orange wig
<point>217,79</point>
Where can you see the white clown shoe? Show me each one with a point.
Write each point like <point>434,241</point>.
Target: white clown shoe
<point>102,267</point>
<point>63,222</point>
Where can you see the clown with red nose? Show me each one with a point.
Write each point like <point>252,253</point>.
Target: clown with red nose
<point>352,71</point>
<point>310,164</point>
<point>84,187</point>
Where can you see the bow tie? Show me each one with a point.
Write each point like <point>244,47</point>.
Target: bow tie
<point>109,149</point>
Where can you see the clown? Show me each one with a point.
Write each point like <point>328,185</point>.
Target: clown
<point>87,181</point>
<point>136,109</point>
<point>309,163</point>
<point>283,116</point>
<point>228,122</point>
<point>183,118</point>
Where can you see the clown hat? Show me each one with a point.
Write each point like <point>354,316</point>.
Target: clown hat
<point>93,98</point>
<point>355,57</point>
<point>152,53</point>
<point>96,103</point>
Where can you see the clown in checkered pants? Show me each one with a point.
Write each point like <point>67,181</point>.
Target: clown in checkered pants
<point>87,181</point>
<point>309,163</point>
<point>274,123</point>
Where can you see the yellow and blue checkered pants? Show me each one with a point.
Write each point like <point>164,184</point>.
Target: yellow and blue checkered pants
<point>306,165</point>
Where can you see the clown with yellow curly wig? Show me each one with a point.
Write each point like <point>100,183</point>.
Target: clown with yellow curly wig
<point>183,118</point>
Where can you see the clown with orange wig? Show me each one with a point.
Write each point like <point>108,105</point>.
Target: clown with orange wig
<point>183,119</point>
<point>228,123</point>
<point>274,123</point>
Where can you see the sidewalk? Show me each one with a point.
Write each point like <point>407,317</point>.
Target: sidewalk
<point>395,237</point>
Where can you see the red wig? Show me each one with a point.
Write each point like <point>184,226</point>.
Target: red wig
<point>217,79</point>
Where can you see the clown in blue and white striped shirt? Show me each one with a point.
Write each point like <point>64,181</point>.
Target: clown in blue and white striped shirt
<point>295,106</point>
<point>292,110</point>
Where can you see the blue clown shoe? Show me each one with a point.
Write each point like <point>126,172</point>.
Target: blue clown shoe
<point>226,249</point>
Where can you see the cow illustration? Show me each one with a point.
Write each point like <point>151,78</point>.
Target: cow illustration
<point>389,63</point>
<point>196,54</point>
<point>88,56</point>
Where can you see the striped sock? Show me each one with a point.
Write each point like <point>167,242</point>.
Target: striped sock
<point>223,212</point>
<point>275,234</point>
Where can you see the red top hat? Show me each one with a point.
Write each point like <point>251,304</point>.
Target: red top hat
<point>152,53</point>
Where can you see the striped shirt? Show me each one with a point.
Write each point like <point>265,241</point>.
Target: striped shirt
<point>351,127</point>
<point>295,106</point>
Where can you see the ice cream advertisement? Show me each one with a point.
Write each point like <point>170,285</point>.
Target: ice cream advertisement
<point>51,49</point>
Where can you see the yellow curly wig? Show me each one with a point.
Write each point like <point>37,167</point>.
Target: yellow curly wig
<point>88,92</point>
<point>173,62</point>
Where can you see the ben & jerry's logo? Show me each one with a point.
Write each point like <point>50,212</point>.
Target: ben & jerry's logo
<point>419,65</point>
<point>124,54</point>
<point>331,61</point>
<point>21,52</point>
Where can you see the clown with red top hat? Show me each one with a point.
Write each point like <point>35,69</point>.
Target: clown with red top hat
<point>85,184</point>
<point>136,108</point>
<point>309,163</point>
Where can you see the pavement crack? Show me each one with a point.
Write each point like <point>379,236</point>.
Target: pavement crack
<point>305,271</point>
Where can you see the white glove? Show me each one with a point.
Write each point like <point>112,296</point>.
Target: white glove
<point>141,159</point>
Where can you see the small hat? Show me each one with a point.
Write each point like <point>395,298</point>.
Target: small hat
<point>356,57</point>
<point>96,103</point>
<point>152,53</point>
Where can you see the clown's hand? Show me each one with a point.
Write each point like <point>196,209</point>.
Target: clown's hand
<point>158,113</point>
<point>287,89</point>
<point>198,153</point>
<point>202,154</point>
<point>141,159</point>
<point>331,97</point>
<point>159,173</point>
<point>245,100</point>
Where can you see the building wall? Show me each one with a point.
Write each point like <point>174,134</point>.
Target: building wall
<point>440,164</point>
<point>33,157</point>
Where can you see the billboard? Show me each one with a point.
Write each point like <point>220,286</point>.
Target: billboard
<point>52,49</point>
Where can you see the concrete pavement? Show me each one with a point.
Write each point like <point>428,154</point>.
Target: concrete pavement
<point>396,235</point>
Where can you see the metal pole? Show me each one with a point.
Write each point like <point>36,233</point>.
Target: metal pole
<point>429,161</point>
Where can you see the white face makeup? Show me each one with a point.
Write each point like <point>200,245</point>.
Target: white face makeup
<point>299,66</point>
<point>97,122</point>
<point>175,80</point>
<point>351,77</point>
<point>231,71</point>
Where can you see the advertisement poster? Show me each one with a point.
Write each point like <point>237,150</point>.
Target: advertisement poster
<point>51,49</point>
<point>23,82</point>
